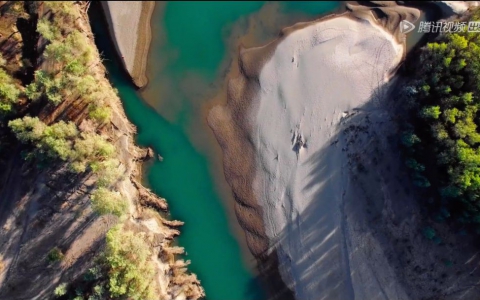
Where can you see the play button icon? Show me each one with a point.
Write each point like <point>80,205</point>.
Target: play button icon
<point>406,26</point>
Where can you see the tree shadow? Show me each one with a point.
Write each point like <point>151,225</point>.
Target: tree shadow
<point>270,279</point>
<point>36,218</point>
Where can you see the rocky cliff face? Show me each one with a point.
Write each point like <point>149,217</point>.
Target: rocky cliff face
<point>45,213</point>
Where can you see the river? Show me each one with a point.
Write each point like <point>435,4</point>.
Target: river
<point>192,48</point>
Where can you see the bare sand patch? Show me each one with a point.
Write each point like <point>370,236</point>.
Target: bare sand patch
<point>129,25</point>
<point>316,77</point>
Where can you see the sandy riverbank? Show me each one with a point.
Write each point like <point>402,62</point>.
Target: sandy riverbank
<point>309,136</point>
<point>129,24</point>
<point>316,77</point>
<point>283,113</point>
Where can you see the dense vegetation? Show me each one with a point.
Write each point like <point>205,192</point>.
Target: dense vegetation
<point>442,141</point>
<point>9,91</point>
<point>63,141</point>
<point>65,75</point>
<point>106,201</point>
<point>68,60</point>
<point>124,271</point>
<point>129,275</point>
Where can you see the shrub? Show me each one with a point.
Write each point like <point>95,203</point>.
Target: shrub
<point>131,271</point>
<point>105,201</point>
<point>413,164</point>
<point>63,141</point>
<point>420,180</point>
<point>101,114</point>
<point>55,255</point>
<point>46,84</point>
<point>9,92</point>
<point>107,171</point>
<point>32,91</point>
<point>409,139</point>
<point>63,10</point>
<point>91,145</point>
<point>98,290</point>
<point>432,112</point>
<point>429,233</point>
<point>48,30</point>
<point>61,290</point>
<point>57,140</point>
<point>54,141</point>
<point>93,274</point>
<point>27,129</point>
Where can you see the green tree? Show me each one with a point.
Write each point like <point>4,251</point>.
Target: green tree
<point>55,255</point>
<point>107,171</point>
<point>131,270</point>
<point>450,115</point>
<point>9,92</point>
<point>28,129</point>
<point>409,139</point>
<point>61,290</point>
<point>432,112</point>
<point>105,201</point>
<point>100,113</point>
<point>429,233</point>
<point>92,145</point>
<point>443,146</point>
<point>48,30</point>
<point>413,164</point>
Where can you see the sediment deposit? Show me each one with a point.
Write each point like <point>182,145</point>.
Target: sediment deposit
<point>129,24</point>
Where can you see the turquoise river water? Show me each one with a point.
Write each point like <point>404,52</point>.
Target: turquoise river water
<point>193,45</point>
